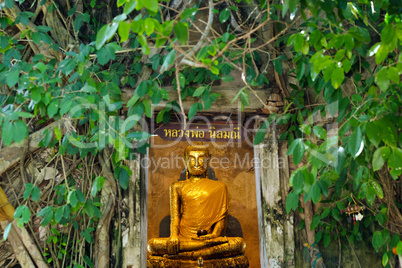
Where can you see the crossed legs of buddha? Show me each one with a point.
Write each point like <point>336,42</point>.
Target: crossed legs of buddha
<point>216,248</point>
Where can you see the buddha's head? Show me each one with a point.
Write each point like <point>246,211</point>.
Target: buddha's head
<point>196,158</point>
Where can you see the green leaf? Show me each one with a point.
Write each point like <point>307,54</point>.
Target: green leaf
<point>318,236</point>
<point>214,70</point>
<point>12,78</point>
<point>144,44</point>
<point>159,117</point>
<point>44,211</point>
<point>65,107</point>
<point>193,110</point>
<point>121,2</point>
<point>188,13</point>
<point>393,74</point>
<point>373,133</point>
<point>105,33</point>
<point>356,142</point>
<point>43,28</point>
<point>53,108</point>
<point>357,98</point>
<point>182,80</point>
<point>137,26</point>
<point>20,130</point>
<point>346,65</point>
<point>59,214</point>
<point>147,108</point>
<point>72,198</point>
<point>48,217</point>
<point>224,15</point>
<point>377,240</point>
<point>278,66</point>
<point>140,91</point>
<point>370,194</point>
<point>57,133</point>
<point>149,26</point>
<point>7,132</point>
<point>339,55</point>
<point>36,94</point>
<point>124,30</point>
<point>381,54</point>
<point>124,178</point>
<point>298,182</point>
<point>395,163</point>
<point>168,60</point>
<point>139,135</point>
<point>315,192</point>
<point>97,185</point>
<point>151,5</point>
<point>299,42</point>
<point>129,6</point>
<point>314,223</point>
<point>35,194</point>
<point>9,3</point>
<point>337,77</point>
<point>306,129</point>
<point>382,79</point>
<point>378,189</point>
<point>296,148</point>
<point>292,201</point>
<point>399,248</point>
<point>7,231</point>
<point>28,190</point>
<point>320,132</point>
<point>387,34</point>
<point>89,89</point>
<point>227,79</point>
<point>384,259</point>
<point>225,37</point>
<point>336,214</point>
<point>379,157</point>
<point>198,92</point>
<point>260,135</point>
<point>181,31</point>
<point>326,240</point>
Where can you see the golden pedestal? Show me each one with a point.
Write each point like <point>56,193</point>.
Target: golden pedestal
<point>232,262</point>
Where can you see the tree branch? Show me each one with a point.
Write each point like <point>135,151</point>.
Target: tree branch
<point>206,32</point>
<point>179,97</point>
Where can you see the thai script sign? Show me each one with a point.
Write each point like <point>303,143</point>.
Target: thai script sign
<point>202,132</point>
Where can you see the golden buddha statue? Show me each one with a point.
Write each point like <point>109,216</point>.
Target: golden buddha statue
<point>198,210</point>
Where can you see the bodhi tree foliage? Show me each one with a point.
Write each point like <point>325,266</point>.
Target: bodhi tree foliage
<point>101,66</point>
<point>348,53</point>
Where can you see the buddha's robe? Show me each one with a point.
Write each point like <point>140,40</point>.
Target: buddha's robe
<point>204,203</point>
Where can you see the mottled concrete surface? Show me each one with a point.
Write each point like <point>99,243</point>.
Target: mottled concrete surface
<point>231,164</point>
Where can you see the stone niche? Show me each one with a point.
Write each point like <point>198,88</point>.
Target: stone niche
<point>231,163</point>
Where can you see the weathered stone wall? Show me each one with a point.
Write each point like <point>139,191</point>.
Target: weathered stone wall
<point>277,226</point>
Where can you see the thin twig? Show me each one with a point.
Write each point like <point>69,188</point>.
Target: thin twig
<point>206,31</point>
<point>354,253</point>
<point>278,35</point>
<point>180,101</point>
<point>64,173</point>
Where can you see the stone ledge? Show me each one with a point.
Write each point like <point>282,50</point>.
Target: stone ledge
<point>233,262</point>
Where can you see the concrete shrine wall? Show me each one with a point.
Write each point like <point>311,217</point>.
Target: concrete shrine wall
<point>257,180</point>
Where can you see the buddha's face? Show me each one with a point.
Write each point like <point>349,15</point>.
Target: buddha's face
<point>197,162</point>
